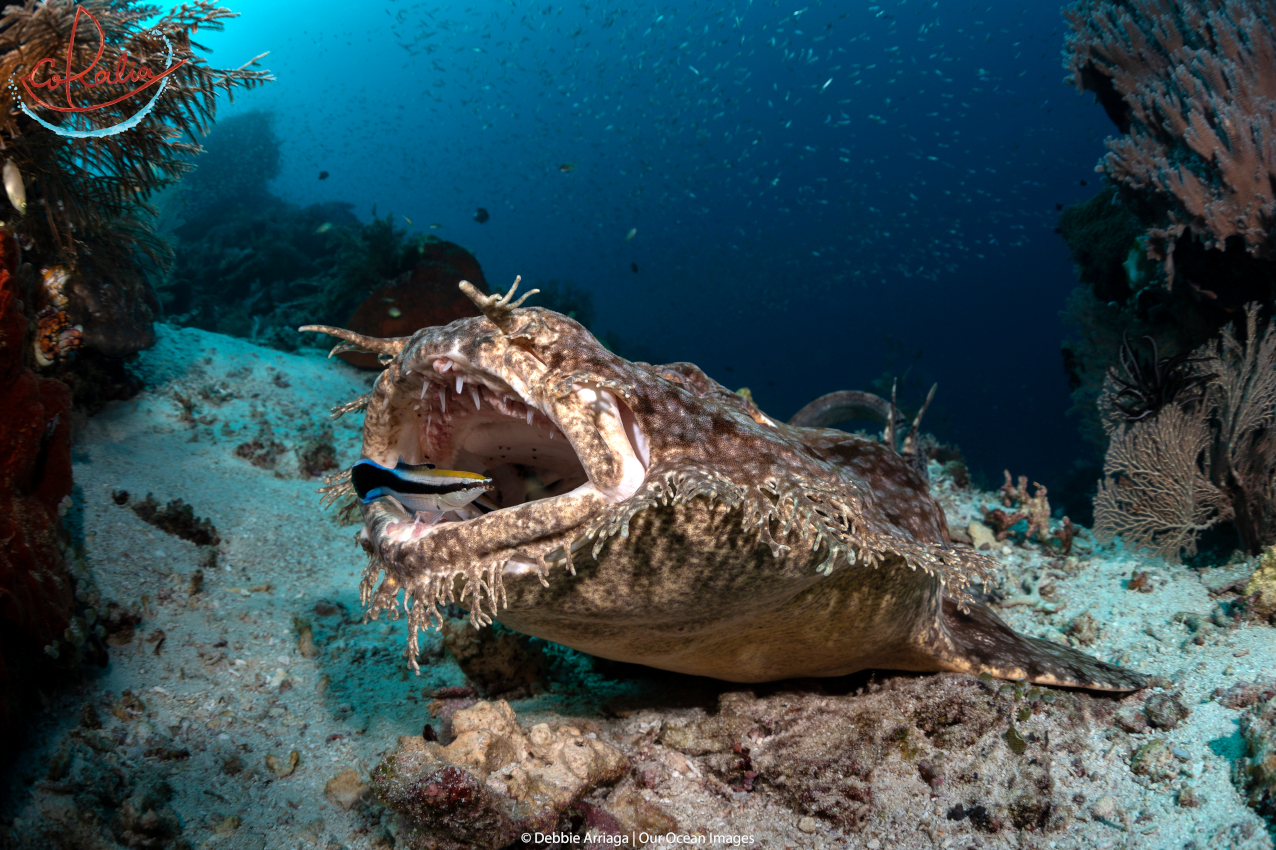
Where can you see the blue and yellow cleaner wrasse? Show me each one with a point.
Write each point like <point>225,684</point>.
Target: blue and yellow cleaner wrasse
<point>419,487</point>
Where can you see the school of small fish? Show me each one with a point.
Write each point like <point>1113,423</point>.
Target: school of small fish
<point>825,143</point>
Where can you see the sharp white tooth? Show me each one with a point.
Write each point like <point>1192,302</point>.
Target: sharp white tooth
<point>474,393</point>
<point>460,384</point>
<point>551,433</point>
<point>425,385</point>
<point>529,416</point>
<point>442,365</point>
<point>443,399</point>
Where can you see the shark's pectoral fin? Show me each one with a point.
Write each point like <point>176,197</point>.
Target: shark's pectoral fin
<point>981,643</point>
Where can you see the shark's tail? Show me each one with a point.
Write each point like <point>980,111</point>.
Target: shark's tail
<point>982,643</point>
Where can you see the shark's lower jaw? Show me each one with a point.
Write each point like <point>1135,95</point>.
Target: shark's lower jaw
<point>465,418</point>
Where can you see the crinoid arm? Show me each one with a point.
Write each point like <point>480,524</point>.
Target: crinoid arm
<point>497,308</point>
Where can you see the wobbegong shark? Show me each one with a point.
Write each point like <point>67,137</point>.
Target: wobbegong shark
<point>648,514</point>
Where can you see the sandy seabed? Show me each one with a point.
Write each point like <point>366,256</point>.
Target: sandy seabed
<point>202,707</point>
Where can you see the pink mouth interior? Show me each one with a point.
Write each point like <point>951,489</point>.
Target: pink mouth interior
<point>489,432</point>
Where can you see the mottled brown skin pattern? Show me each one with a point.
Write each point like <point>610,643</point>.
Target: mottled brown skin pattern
<point>749,551</point>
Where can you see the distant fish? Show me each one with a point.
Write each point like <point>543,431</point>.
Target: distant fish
<point>481,216</point>
<point>633,231</point>
<point>435,226</point>
<point>323,175</point>
<point>408,220</point>
<point>566,167</point>
<point>324,228</point>
<point>634,266</point>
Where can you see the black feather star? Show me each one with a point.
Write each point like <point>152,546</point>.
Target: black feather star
<point>1148,388</point>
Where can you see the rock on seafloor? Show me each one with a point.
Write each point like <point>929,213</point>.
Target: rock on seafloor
<point>495,782</point>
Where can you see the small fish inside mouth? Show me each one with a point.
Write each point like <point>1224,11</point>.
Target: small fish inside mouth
<point>428,493</point>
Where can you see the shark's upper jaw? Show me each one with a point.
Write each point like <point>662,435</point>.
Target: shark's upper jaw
<point>508,416</point>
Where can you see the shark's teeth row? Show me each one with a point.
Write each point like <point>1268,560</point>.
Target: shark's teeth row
<point>440,400</point>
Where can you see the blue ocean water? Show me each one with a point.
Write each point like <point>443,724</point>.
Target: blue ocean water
<point>817,192</point>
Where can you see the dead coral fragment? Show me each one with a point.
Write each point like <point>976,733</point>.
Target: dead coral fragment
<point>317,457</point>
<point>499,661</point>
<point>494,782</point>
<point>178,518</point>
<point>1155,760</point>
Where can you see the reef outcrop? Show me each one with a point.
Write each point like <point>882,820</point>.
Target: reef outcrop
<point>36,593</point>
<point>422,298</point>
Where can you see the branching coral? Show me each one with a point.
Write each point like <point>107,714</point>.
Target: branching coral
<point>1192,83</point>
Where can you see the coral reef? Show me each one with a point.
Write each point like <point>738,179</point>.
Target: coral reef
<point>252,265</point>
<point>236,680</point>
<point>496,781</point>
<point>1182,235</point>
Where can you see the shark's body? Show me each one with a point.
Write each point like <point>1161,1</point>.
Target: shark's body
<point>648,514</point>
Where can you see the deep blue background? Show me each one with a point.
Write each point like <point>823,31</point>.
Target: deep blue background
<point>784,228</point>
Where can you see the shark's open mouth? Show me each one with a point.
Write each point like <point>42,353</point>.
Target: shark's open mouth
<point>457,415</point>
